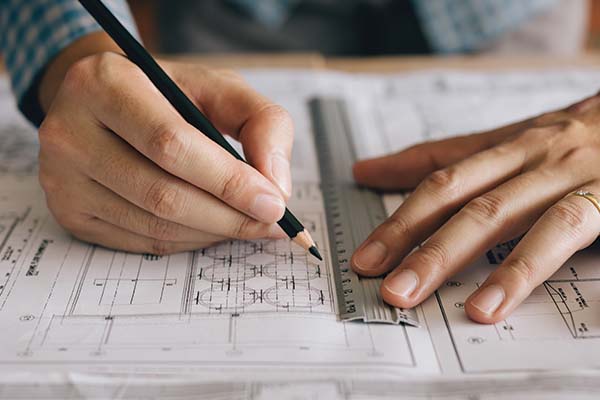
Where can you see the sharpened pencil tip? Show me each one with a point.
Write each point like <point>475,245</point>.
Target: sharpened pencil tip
<point>315,252</point>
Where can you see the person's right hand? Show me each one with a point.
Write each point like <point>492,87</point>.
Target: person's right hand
<point>121,168</point>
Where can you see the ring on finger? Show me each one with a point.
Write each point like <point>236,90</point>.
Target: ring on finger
<point>591,197</point>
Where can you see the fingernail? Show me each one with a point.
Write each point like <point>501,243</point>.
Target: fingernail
<point>267,208</point>
<point>371,256</point>
<point>280,169</point>
<point>402,284</point>
<point>488,299</point>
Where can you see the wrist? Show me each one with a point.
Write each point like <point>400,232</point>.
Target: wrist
<point>57,68</point>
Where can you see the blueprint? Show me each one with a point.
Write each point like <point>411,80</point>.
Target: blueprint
<point>258,319</point>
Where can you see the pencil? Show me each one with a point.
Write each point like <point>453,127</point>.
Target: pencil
<point>138,55</point>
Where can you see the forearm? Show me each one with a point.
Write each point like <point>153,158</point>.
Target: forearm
<point>52,77</point>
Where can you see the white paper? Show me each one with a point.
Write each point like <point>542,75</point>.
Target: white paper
<point>246,315</point>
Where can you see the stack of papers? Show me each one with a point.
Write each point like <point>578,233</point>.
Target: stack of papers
<point>259,320</point>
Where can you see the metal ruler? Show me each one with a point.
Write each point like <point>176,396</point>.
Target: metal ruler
<point>352,213</point>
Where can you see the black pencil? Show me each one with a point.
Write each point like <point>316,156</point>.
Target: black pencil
<point>138,55</point>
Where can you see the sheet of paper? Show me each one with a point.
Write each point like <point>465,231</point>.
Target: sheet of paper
<point>561,314</point>
<point>256,310</point>
<point>251,314</point>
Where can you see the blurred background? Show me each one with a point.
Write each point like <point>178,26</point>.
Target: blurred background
<point>370,27</point>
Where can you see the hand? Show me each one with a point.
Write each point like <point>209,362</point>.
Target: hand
<point>121,168</point>
<point>480,190</point>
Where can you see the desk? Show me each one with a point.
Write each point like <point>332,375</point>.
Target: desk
<point>388,64</point>
<point>382,64</point>
<point>83,333</point>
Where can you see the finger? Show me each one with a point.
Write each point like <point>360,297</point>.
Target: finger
<point>570,225</point>
<point>584,105</point>
<point>107,206</point>
<point>499,215</point>
<point>404,170</point>
<point>267,138</point>
<point>264,129</point>
<point>141,182</point>
<point>105,234</point>
<point>433,202</point>
<point>138,113</point>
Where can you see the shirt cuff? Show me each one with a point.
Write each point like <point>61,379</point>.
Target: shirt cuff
<point>33,32</point>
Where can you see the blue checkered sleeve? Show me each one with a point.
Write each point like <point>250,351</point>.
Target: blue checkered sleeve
<point>450,26</point>
<point>32,32</point>
<point>453,26</point>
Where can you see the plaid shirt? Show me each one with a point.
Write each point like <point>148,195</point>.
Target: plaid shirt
<point>32,32</point>
<point>453,26</point>
<point>450,26</point>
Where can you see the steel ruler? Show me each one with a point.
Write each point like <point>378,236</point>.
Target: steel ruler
<point>352,213</point>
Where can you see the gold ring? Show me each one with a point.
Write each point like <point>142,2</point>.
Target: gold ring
<point>589,196</point>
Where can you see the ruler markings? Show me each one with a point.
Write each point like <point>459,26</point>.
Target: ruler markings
<point>351,212</point>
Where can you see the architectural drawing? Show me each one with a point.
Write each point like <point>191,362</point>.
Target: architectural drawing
<point>241,303</point>
<point>562,314</point>
<point>256,311</point>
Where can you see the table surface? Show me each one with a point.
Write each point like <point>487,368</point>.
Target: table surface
<point>390,64</point>
<point>385,64</point>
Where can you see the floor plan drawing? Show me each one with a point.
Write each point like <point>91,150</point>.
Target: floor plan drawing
<point>233,277</point>
<point>562,314</point>
<point>237,302</point>
<point>257,311</point>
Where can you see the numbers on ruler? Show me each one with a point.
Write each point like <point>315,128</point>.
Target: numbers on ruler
<point>350,307</point>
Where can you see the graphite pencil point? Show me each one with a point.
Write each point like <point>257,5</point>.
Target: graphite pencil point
<point>315,252</point>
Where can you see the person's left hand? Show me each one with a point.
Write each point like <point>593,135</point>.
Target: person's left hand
<point>480,190</point>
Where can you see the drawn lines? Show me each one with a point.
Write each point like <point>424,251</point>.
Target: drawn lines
<point>577,303</point>
<point>267,276</point>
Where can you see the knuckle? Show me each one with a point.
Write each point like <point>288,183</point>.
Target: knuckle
<point>167,145</point>
<point>543,137</point>
<point>570,216</point>
<point>578,153</point>
<point>108,166</point>
<point>502,149</point>
<point>79,73</point>
<point>230,74</point>
<point>572,126</point>
<point>545,118</point>
<point>160,247</point>
<point>50,136</point>
<point>112,75</point>
<point>68,220</point>
<point>161,229</point>
<point>276,111</point>
<point>121,216</point>
<point>283,118</point>
<point>487,209</point>
<point>164,200</point>
<point>433,254</point>
<point>232,185</point>
<point>534,134</point>
<point>445,182</point>
<point>397,226</point>
<point>48,182</point>
<point>244,229</point>
<point>105,67</point>
<point>523,268</point>
<point>81,235</point>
